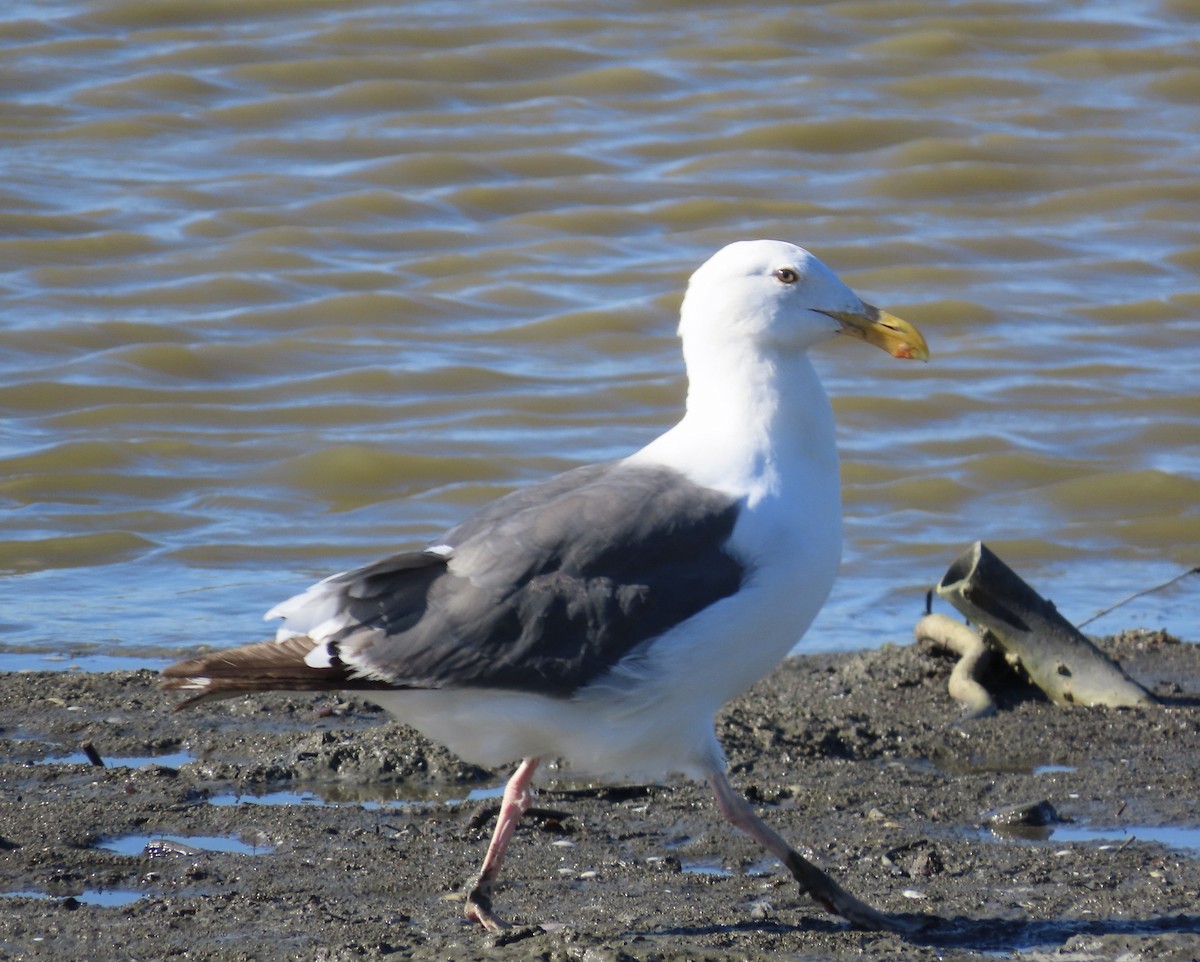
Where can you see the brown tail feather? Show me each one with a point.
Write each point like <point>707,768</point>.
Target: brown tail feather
<point>264,666</point>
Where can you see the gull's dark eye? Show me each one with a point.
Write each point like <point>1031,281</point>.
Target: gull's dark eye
<point>785,275</point>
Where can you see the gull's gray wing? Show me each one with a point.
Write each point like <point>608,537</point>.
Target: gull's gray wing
<point>542,590</point>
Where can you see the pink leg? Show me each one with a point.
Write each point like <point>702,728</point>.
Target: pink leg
<point>815,882</point>
<point>516,801</point>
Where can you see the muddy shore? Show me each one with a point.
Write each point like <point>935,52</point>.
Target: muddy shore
<point>312,828</point>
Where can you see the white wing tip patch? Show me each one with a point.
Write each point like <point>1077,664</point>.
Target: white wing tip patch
<point>321,656</point>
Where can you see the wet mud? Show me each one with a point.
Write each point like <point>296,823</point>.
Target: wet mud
<point>288,827</point>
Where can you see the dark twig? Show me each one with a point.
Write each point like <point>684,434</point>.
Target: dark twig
<point>550,818</point>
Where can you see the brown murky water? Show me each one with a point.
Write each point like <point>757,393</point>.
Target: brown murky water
<point>288,284</point>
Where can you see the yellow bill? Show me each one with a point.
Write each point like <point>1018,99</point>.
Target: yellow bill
<point>884,330</point>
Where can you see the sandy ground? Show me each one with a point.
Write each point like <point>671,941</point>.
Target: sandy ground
<point>862,757</point>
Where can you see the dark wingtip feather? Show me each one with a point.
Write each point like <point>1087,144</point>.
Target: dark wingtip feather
<point>263,666</point>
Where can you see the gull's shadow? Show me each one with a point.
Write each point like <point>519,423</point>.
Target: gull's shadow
<point>981,935</point>
<point>1008,935</point>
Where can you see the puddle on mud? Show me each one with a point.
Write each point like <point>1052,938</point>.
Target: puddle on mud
<point>715,868</point>
<point>705,867</point>
<point>948,764</point>
<point>228,799</point>
<point>160,845</point>
<point>104,898</point>
<point>171,760</point>
<point>24,748</point>
<point>1172,836</point>
<point>366,797</point>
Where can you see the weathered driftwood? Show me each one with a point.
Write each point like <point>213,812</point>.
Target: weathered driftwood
<point>1052,652</point>
<point>966,680</point>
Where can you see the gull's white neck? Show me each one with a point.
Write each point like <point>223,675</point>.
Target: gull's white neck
<point>756,426</point>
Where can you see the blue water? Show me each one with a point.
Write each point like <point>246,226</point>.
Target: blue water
<point>288,290</point>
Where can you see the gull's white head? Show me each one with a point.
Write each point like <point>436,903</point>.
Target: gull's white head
<point>780,298</point>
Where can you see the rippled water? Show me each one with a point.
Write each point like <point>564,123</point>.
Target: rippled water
<point>289,284</point>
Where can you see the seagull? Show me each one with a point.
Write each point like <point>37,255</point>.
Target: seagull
<point>604,615</point>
